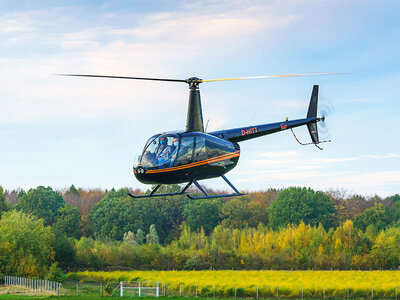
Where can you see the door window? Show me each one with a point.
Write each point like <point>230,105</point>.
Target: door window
<point>200,148</point>
<point>185,153</point>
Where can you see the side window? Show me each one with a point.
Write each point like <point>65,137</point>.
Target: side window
<point>200,150</point>
<point>213,149</point>
<point>217,147</point>
<point>185,153</point>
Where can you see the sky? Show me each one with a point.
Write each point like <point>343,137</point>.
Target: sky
<point>57,131</point>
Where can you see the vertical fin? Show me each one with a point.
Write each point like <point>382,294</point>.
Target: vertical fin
<point>312,113</point>
<point>312,109</point>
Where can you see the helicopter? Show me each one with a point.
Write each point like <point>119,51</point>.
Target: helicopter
<point>190,155</point>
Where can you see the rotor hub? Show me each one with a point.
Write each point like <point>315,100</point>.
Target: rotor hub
<point>193,83</point>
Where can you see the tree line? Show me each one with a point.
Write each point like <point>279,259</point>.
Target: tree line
<point>279,229</point>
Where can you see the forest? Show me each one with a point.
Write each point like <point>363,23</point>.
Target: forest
<point>44,232</point>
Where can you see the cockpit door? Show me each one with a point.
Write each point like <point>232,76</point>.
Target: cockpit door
<point>185,153</point>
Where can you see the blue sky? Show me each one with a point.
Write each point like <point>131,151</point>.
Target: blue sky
<point>58,131</point>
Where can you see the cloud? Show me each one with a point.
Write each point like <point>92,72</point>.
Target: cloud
<point>383,156</point>
<point>286,168</point>
<point>155,45</point>
<point>383,183</point>
<point>206,27</point>
<point>15,23</point>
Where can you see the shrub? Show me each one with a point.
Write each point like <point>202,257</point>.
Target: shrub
<point>108,288</point>
<point>55,273</point>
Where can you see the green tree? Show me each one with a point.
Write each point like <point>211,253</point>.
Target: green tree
<point>3,201</point>
<point>72,191</point>
<point>68,220</point>
<point>139,237</point>
<point>55,273</point>
<point>258,213</point>
<point>395,198</point>
<point>42,202</point>
<point>113,215</point>
<point>235,213</point>
<point>378,215</point>
<point>152,236</point>
<point>296,204</point>
<point>130,238</point>
<point>25,245</point>
<point>117,213</point>
<point>166,213</point>
<point>203,213</point>
<point>65,253</point>
<point>394,212</point>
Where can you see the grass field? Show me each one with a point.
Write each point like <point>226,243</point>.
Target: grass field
<point>5,291</point>
<point>291,284</point>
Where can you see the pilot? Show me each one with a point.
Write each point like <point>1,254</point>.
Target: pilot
<point>162,146</point>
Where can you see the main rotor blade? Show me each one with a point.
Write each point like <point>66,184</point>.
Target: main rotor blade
<point>123,77</point>
<point>274,76</point>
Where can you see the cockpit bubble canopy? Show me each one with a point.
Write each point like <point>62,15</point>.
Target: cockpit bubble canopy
<point>159,151</point>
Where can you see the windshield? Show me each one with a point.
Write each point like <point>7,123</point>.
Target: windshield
<point>160,151</point>
<point>138,156</point>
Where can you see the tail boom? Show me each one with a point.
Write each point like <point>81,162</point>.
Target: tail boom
<point>250,132</point>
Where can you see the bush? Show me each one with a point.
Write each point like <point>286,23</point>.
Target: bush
<point>196,263</point>
<point>108,288</point>
<point>55,273</point>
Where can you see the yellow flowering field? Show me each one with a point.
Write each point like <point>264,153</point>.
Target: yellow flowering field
<point>269,283</point>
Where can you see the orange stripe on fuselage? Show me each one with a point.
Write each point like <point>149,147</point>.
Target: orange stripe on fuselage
<point>195,164</point>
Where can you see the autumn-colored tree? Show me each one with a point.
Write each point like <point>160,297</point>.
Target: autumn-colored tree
<point>25,245</point>
<point>385,252</point>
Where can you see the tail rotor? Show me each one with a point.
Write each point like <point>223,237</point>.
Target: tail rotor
<point>326,109</point>
<point>312,126</point>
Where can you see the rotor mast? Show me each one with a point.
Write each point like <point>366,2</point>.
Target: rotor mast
<point>194,121</point>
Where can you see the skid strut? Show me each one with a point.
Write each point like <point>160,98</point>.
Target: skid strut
<point>183,191</point>
<point>207,196</point>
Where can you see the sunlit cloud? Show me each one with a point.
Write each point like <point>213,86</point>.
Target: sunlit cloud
<point>154,45</point>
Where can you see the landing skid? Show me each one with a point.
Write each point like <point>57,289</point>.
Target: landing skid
<point>152,194</point>
<point>183,191</point>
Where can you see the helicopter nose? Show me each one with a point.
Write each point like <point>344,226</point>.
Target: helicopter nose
<point>140,170</point>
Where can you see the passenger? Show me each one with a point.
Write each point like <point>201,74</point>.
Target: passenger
<point>173,148</point>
